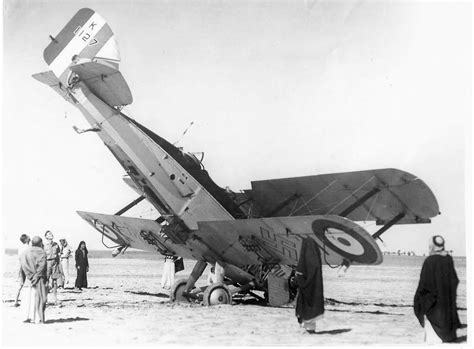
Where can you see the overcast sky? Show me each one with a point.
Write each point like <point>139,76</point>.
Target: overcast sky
<point>275,89</point>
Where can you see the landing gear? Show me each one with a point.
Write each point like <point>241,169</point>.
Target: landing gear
<point>217,293</point>
<point>177,290</point>
<point>182,289</point>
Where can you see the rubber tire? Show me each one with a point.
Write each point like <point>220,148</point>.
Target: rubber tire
<point>210,298</point>
<point>177,290</point>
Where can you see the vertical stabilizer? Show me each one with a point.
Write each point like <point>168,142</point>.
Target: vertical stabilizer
<point>86,50</point>
<point>85,36</point>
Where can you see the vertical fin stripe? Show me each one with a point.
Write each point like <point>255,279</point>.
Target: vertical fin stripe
<point>83,36</point>
<point>66,35</point>
<point>102,37</point>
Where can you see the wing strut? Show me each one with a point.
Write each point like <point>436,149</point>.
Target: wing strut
<point>389,224</point>
<point>359,202</point>
<point>285,203</point>
<point>130,205</point>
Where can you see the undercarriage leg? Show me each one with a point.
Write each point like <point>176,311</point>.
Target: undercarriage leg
<point>198,269</point>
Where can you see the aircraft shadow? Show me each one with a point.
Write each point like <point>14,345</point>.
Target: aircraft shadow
<point>69,319</point>
<point>338,331</point>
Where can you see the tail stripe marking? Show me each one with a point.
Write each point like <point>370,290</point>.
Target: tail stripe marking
<point>83,36</point>
<point>66,35</point>
<point>101,38</point>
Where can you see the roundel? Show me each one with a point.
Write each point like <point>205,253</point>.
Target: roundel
<point>110,234</point>
<point>346,239</point>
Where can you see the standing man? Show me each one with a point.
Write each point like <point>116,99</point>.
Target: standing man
<point>53,271</point>
<point>167,278</point>
<point>309,278</point>
<point>25,242</point>
<point>33,264</point>
<point>65,254</point>
<point>435,298</point>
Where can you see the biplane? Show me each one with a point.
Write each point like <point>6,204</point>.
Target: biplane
<point>253,235</point>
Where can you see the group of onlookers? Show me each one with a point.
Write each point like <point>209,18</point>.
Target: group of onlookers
<point>44,267</point>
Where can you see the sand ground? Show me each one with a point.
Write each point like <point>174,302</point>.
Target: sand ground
<point>126,306</point>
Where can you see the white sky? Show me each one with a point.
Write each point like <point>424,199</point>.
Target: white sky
<point>275,89</point>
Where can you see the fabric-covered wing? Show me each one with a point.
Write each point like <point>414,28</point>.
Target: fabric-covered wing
<point>278,240</point>
<point>373,195</point>
<point>142,234</point>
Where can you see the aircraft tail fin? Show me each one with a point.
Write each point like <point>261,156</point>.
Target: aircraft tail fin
<point>85,36</point>
<point>86,49</point>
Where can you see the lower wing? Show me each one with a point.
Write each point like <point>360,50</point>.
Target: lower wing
<point>142,234</point>
<point>278,240</point>
<point>247,241</point>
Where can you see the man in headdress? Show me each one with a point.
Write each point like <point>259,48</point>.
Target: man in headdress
<point>25,243</point>
<point>33,264</point>
<point>435,297</point>
<point>309,278</point>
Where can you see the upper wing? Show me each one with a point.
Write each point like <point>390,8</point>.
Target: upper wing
<point>278,240</point>
<point>374,195</point>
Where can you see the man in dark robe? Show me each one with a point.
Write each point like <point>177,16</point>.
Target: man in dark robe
<point>82,266</point>
<point>309,278</point>
<point>33,264</point>
<point>435,297</point>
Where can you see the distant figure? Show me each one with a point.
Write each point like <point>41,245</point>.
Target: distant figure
<point>25,241</point>
<point>53,271</point>
<point>309,279</point>
<point>65,254</point>
<point>33,264</point>
<point>435,297</point>
<point>216,274</point>
<point>167,279</point>
<point>82,266</point>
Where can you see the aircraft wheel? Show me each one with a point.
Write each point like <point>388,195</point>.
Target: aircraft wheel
<point>176,294</point>
<point>217,293</point>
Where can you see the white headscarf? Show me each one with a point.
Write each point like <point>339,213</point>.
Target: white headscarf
<point>437,245</point>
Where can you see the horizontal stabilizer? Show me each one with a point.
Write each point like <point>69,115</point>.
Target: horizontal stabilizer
<point>48,78</point>
<point>105,81</point>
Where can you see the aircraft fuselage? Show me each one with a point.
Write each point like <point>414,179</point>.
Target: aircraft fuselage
<point>161,171</point>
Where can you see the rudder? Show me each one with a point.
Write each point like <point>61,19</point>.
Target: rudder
<point>86,35</point>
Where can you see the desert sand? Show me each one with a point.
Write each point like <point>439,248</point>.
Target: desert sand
<point>125,305</point>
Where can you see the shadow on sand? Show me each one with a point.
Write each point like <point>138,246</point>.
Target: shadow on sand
<point>161,295</point>
<point>69,319</point>
<point>338,331</point>
<point>377,312</point>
